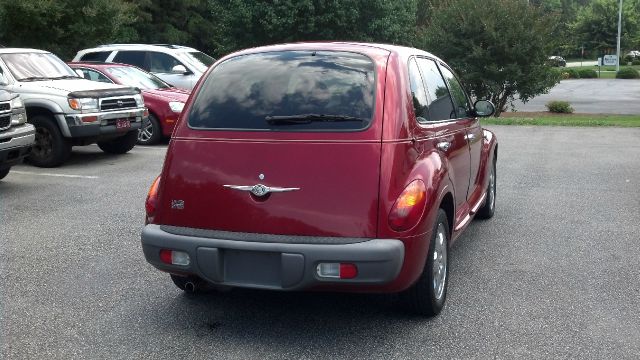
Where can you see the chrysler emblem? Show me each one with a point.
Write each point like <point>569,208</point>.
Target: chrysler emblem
<point>260,190</point>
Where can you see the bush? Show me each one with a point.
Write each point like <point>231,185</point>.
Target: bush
<point>635,62</point>
<point>570,74</point>
<point>627,73</point>
<point>587,74</point>
<point>560,107</point>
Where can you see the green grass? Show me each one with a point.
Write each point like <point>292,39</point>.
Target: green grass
<point>603,68</point>
<point>564,120</point>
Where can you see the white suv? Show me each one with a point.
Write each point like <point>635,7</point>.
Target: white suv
<point>180,66</point>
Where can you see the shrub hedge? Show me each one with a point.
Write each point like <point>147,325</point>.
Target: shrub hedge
<point>587,74</point>
<point>560,107</point>
<point>627,73</point>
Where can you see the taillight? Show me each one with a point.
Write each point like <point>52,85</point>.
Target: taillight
<point>409,206</point>
<point>152,200</point>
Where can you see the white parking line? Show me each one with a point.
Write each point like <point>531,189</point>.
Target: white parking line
<point>54,175</point>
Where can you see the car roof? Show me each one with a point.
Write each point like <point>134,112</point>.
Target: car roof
<point>402,51</point>
<point>168,48</point>
<point>22,50</point>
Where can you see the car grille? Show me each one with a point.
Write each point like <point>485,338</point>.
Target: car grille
<point>5,106</point>
<point>115,104</point>
<point>5,122</point>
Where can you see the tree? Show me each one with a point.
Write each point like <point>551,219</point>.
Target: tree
<point>597,25</point>
<point>499,47</point>
<point>64,26</point>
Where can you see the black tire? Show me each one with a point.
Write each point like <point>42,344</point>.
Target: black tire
<point>4,173</point>
<point>120,145</point>
<point>151,132</point>
<point>50,149</point>
<point>427,297</point>
<point>489,208</point>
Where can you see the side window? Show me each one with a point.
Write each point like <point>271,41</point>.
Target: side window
<point>135,58</point>
<point>418,94</point>
<point>161,62</point>
<point>441,107</point>
<point>99,56</point>
<point>459,95</point>
<point>95,76</point>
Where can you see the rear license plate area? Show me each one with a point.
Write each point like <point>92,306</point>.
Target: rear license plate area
<point>252,268</point>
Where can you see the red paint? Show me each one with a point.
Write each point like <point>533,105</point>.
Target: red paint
<point>349,181</point>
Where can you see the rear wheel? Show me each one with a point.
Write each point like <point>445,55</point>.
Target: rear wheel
<point>428,294</point>
<point>4,173</point>
<point>489,208</point>
<point>150,133</point>
<point>121,144</point>
<point>50,149</point>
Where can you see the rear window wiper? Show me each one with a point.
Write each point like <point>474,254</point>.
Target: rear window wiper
<point>308,118</point>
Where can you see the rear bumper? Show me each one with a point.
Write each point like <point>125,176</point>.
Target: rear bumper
<point>275,265</point>
<point>15,144</point>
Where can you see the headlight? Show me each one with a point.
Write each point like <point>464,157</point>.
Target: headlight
<point>139,100</point>
<point>19,118</point>
<point>83,103</point>
<point>176,106</point>
<point>17,103</point>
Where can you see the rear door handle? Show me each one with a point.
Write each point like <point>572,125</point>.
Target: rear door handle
<point>443,146</point>
<point>470,137</point>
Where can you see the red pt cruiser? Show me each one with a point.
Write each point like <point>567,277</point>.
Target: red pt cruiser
<point>323,166</point>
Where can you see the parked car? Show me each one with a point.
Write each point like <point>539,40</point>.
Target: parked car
<point>558,61</point>
<point>632,55</point>
<point>164,102</point>
<point>16,135</point>
<point>68,110</point>
<point>323,166</point>
<point>179,66</point>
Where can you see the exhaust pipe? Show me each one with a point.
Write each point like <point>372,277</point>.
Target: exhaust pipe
<point>190,287</point>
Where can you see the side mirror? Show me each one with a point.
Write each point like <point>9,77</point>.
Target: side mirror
<point>79,72</point>
<point>484,108</point>
<point>180,69</point>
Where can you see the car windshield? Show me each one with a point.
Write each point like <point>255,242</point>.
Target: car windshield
<point>288,91</point>
<point>37,66</point>
<point>197,59</point>
<point>132,76</point>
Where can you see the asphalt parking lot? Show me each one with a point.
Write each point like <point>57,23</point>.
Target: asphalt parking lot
<point>591,96</point>
<point>555,274</point>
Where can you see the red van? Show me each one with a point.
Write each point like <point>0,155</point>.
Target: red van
<point>322,166</point>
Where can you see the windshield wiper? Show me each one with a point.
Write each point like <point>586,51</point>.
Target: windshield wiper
<point>65,77</point>
<point>35,78</point>
<point>308,118</point>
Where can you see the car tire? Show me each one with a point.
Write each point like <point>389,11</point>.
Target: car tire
<point>4,173</point>
<point>489,208</point>
<point>427,296</point>
<point>50,148</point>
<point>151,132</point>
<point>120,145</point>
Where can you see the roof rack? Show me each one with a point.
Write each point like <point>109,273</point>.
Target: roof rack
<point>170,46</point>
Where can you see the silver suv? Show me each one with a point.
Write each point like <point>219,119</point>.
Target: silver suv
<point>180,66</point>
<point>16,136</point>
<point>68,110</point>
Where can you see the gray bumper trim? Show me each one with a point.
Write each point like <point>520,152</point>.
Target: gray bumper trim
<point>273,265</point>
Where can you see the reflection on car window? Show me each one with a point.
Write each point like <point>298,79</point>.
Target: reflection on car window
<point>135,58</point>
<point>418,94</point>
<point>459,96</point>
<point>440,106</point>
<point>161,62</point>
<point>95,76</point>
<point>135,77</point>
<point>246,91</point>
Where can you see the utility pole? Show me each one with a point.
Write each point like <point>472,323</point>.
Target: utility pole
<point>619,33</point>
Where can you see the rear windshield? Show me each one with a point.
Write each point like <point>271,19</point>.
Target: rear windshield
<point>288,91</point>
